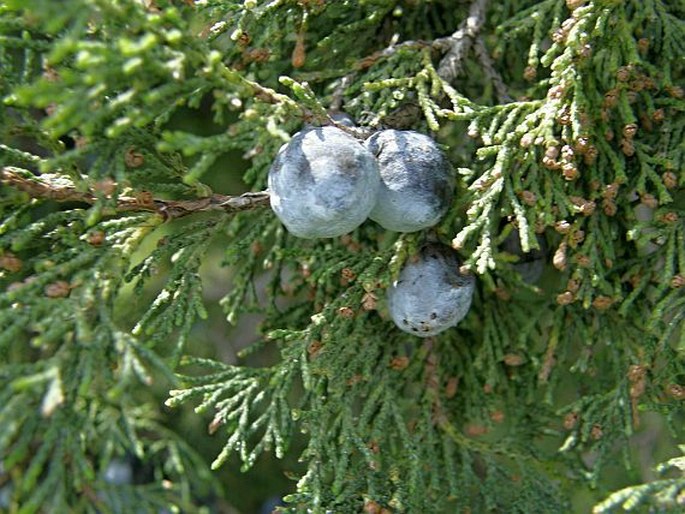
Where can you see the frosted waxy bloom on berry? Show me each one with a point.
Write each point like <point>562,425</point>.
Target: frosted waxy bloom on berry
<point>430,295</point>
<point>118,472</point>
<point>417,182</point>
<point>323,183</point>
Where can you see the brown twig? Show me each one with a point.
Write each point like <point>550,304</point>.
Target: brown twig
<point>61,189</point>
<point>459,43</point>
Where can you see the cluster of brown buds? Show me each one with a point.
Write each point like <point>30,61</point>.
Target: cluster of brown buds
<point>602,302</point>
<point>10,262</point>
<point>670,180</point>
<point>583,206</point>
<point>627,145</point>
<point>251,55</point>
<point>549,160</point>
<point>637,376</point>
<point>530,73</point>
<point>133,158</point>
<point>59,289</point>
<point>560,35</point>
<point>676,391</point>
<point>574,4</point>
<point>567,164</point>
<point>571,420</point>
<point>559,259</point>
<point>609,199</point>
<point>347,275</point>
<point>373,507</point>
<point>585,148</point>
<point>610,99</point>
<point>678,281</point>
<point>669,217</point>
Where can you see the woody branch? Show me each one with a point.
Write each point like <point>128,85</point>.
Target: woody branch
<point>459,43</point>
<point>61,189</point>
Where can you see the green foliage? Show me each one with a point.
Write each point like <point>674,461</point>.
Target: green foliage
<point>533,397</point>
<point>664,494</point>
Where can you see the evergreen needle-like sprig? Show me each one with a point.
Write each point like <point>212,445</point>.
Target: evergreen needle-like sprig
<point>135,143</point>
<point>664,494</point>
<point>238,398</point>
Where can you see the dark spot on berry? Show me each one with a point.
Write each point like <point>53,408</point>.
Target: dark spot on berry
<point>414,329</point>
<point>434,315</point>
<point>405,321</point>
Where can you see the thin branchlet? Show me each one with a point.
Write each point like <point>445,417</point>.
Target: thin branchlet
<point>58,188</point>
<point>459,44</point>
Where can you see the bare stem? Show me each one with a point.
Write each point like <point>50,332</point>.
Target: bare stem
<point>61,189</point>
<point>459,43</point>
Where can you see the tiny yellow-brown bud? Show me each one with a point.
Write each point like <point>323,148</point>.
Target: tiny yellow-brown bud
<point>658,115</point>
<point>497,416</point>
<point>675,91</point>
<point>133,158</point>
<point>528,197</point>
<point>346,312</point>
<point>670,180</point>
<point>678,281</point>
<point>314,348</point>
<point>513,359</point>
<point>609,207</point>
<point>475,430</point>
<point>299,54</point>
<point>96,238</point>
<point>399,363</point>
<point>569,171</point>
<point>629,130</point>
<point>676,391</point>
<point>649,200</point>
<point>571,420</point>
<point>610,98</point>
<point>348,275</point>
<point>582,260</point>
<point>559,259</point>
<point>624,73</point>
<point>611,191</point>
<point>530,73</point>
<point>602,303</point>
<point>10,262</point>
<point>562,226</point>
<point>627,147</point>
<point>58,289</point>
<point>556,92</point>
<point>574,4</point>
<point>565,298</point>
<point>451,387</point>
<point>369,301</point>
<point>669,217</point>
<point>577,237</point>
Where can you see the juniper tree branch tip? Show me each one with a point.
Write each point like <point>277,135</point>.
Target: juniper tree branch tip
<point>61,189</point>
